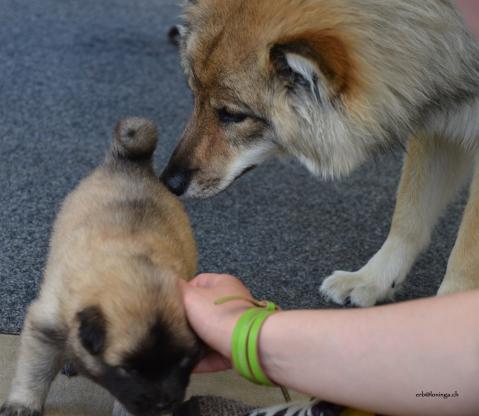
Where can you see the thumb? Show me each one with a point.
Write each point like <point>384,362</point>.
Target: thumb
<point>210,280</point>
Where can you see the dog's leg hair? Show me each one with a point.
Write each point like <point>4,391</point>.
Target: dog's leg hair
<point>463,266</point>
<point>39,361</point>
<point>433,171</point>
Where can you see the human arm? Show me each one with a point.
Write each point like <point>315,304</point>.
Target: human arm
<point>377,359</point>
<point>380,358</point>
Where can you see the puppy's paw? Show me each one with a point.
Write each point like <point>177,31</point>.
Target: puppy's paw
<point>356,288</point>
<point>17,410</point>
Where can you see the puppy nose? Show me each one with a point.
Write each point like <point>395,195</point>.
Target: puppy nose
<point>177,178</point>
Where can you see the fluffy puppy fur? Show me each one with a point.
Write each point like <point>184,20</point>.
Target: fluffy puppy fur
<point>110,302</point>
<point>331,82</point>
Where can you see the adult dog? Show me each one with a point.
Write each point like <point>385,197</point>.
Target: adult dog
<point>331,82</point>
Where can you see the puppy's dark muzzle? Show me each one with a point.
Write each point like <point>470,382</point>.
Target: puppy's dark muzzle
<point>177,178</point>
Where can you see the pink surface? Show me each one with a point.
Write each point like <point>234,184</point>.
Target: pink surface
<point>470,10</point>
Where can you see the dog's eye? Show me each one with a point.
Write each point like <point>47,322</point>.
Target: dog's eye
<point>226,116</point>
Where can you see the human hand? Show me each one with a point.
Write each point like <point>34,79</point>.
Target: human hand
<point>214,324</point>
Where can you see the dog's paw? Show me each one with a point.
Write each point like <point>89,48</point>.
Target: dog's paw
<point>17,410</point>
<point>356,288</point>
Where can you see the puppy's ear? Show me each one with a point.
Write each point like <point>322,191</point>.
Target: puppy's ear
<point>317,60</point>
<point>92,331</point>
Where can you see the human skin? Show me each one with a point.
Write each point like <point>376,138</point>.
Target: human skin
<point>470,10</point>
<point>376,359</point>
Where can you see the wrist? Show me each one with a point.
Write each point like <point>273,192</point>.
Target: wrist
<point>245,339</point>
<point>273,360</point>
<point>237,309</point>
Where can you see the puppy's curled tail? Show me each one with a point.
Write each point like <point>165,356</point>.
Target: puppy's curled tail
<point>134,139</point>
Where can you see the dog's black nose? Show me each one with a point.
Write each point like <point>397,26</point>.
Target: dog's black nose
<point>177,179</point>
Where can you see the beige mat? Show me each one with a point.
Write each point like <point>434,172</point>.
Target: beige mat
<point>80,397</point>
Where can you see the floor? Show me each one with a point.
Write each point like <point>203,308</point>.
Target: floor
<point>80,397</point>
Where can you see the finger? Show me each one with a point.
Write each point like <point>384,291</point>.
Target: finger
<point>187,290</point>
<point>203,280</point>
<point>208,280</point>
<point>212,363</point>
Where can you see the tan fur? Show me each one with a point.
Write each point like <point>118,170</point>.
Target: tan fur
<point>333,58</point>
<point>127,266</point>
<point>119,245</point>
<point>463,267</point>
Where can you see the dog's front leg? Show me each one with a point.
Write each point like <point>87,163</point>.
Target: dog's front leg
<point>39,361</point>
<point>463,266</point>
<point>433,171</point>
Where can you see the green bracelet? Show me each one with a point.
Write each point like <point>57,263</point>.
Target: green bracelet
<point>244,343</point>
<point>239,341</point>
<point>253,351</point>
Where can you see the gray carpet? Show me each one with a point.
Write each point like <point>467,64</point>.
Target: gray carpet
<point>211,405</point>
<point>70,69</point>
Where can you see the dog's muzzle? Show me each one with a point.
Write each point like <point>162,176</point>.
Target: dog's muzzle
<point>177,178</point>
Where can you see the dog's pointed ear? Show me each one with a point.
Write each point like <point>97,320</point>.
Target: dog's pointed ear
<point>92,330</point>
<point>318,60</point>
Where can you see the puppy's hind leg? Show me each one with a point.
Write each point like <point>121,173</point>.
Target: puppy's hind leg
<point>39,361</point>
<point>433,171</point>
<point>463,266</point>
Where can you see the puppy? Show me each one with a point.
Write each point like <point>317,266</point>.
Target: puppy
<point>110,302</point>
<point>330,82</point>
